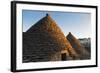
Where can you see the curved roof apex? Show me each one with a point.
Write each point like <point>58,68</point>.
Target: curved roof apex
<point>44,23</point>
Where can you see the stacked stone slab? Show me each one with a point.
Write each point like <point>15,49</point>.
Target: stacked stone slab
<point>45,41</point>
<point>78,47</point>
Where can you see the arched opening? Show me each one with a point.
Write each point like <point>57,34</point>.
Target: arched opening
<point>63,57</point>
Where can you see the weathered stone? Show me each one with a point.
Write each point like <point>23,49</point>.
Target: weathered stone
<point>45,41</point>
<point>78,47</point>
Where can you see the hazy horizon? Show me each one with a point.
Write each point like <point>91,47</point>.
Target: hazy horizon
<point>79,24</point>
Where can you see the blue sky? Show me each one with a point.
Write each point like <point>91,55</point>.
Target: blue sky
<point>77,23</point>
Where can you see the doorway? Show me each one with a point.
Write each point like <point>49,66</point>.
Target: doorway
<point>63,57</point>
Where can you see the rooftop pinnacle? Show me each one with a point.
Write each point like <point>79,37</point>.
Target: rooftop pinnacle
<point>47,14</point>
<point>69,32</point>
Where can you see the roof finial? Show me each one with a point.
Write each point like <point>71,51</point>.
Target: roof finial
<point>47,14</point>
<point>69,32</point>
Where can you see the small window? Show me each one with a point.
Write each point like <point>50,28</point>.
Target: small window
<point>63,57</point>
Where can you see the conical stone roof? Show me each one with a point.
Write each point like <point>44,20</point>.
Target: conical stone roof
<point>46,24</point>
<point>44,40</point>
<point>79,48</point>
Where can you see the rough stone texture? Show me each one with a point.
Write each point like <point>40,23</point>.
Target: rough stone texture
<point>79,48</point>
<point>45,41</point>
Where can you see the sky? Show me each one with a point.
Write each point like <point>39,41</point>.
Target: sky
<point>79,24</point>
